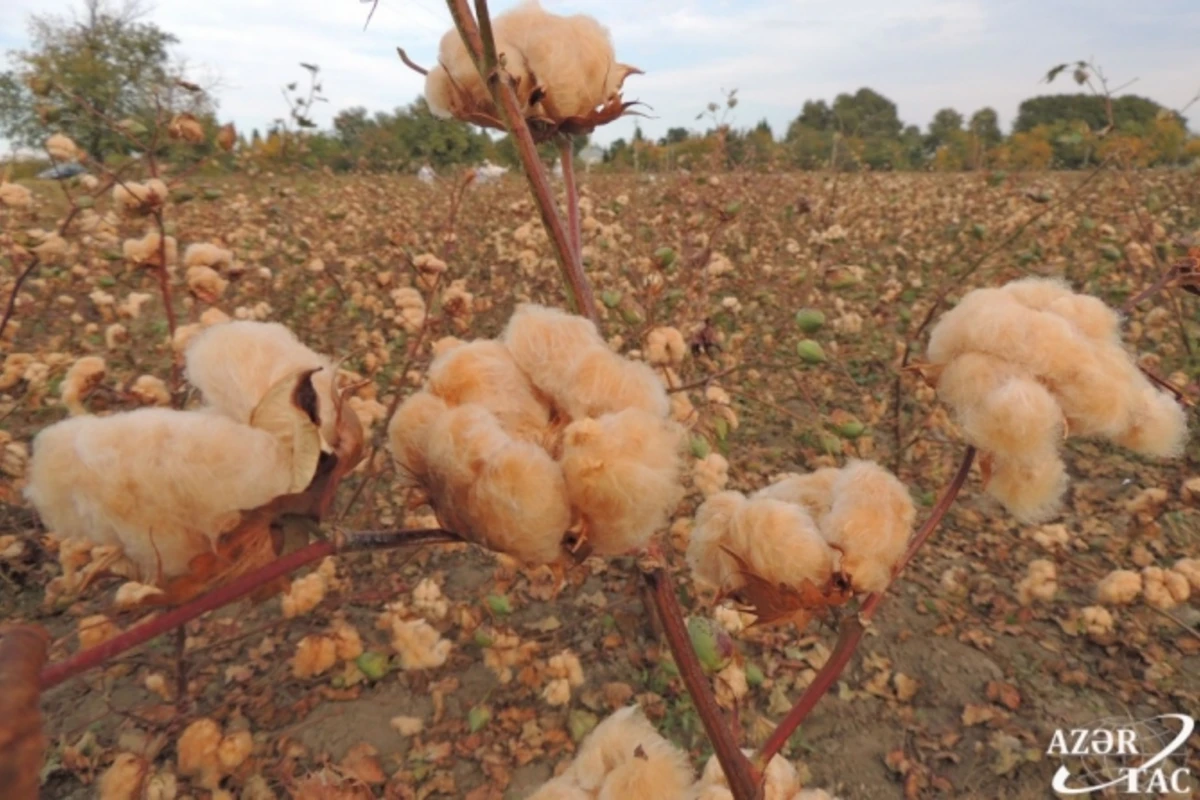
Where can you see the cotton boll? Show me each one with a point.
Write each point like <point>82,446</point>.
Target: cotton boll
<point>710,474</point>
<point>1189,568</point>
<point>95,630</point>
<point>419,644</point>
<point>714,520</point>
<point>611,743</point>
<point>314,656</point>
<point>152,250</point>
<point>1096,620</point>
<point>14,195</point>
<point>659,769</point>
<point>665,346</point>
<point>445,345</point>
<point>504,493</point>
<point>1164,589</point>
<point>132,198</point>
<point>213,316</point>
<point>560,788</point>
<point>150,391</point>
<point>160,484</point>
<point>408,435</point>
<point>123,780</point>
<point>1031,490</point>
<point>1159,426</point>
<point>83,376</point>
<point>484,372</point>
<point>303,595</point>
<point>1039,583</point>
<point>1017,420</point>
<point>346,640</point>
<point>547,343</point>
<point>813,491</point>
<point>206,283</point>
<point>557,692</point>
<point>780,780</point>
<point>197,752</point>
<point>1119,587</point>
<point>428,599</point>
<point>235,364</point>
<point>62,148</point>
<point>603,382</point>
<point>1090,315</point>
<point>1037,293</point>
<point>622,475</point>
<point>779,542</point>
<point>870,521</point>
<point>204,254</point>
<point>234,750</point>
<point>411,307</point>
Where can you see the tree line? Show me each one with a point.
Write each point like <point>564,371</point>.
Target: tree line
<point>106,67</point>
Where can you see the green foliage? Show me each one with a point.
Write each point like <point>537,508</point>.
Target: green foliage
<point>83,75</point>
<point>1090,109</point>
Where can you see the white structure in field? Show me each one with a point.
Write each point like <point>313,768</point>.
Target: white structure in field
<point>426,175</point>
<point>489,172</point>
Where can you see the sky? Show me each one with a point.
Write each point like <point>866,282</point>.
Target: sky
<point>922,54</point>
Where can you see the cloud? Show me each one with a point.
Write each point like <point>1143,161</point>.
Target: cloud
<point>923,54</point>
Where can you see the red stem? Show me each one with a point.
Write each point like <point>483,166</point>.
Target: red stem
<point>854,626</point>
<point>567,151</point>
<point>224,595</point>
<point>742,777</point>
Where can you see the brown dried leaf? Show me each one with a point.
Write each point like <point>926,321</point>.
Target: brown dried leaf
<point>774,604</point>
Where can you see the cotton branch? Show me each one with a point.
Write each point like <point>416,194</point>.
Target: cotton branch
<point>855,626</point>
<point>239,587</point>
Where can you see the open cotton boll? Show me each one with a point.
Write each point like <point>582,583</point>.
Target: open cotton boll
<point>622,475</point>
<point>778,541</point>
<point>1159,426</point>
<point>870,521</point>
<point>546,344</point>
<point>236,363</point>
<point>611,743</point>
<point>813,491</point>
<point>1119,587</point>
<point>1037,293</point>
<point>502,492</point>
<point>205,283</point>
<point>484,372</point>
<point>659,769</point>
<point>1017,418</point>
<point>1039,584</point>
<point>780,780</point>
<point>1189,568</point>
<point>82,377</point>
<point>132,197</point>
<point>560,788</point>
<point>14,195</point>
<point>1089,314</point>
<point>665,347</point>
<point>160,484</point>
<point>150,250</point>
<point>1163,588</point>
<point>1031,489</point>
<point>205,254</point>
<point>408,435</point>
<point>603,382</point>
<point>714,518</point>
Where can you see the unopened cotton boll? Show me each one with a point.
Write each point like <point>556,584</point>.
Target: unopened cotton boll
<point>1119,587</point>
<point>502,492</point>
<point>1039,583</point>
<point>82,377</point>
<point>812,491</point>
<point>484,372</point>
<point>160,484</point>
<point>870,521</point>
<point>1031,490</point>
<point>408,435</point>
<point>622,475</point>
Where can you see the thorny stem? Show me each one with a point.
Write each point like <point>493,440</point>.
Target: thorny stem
<point>239,587</point>
<point>579,291</point>
<point>567,152</point>
<point>741,774</point>
<point>855,626</point>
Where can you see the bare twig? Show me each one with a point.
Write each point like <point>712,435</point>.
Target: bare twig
<point>408,62</point>
<point>567,154</point>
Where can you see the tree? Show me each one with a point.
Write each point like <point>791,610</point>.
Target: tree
<point>675,136</point>
<point>943,128</point>
<point>1128,110</point>
<point>866,113</point>
<point>85,73</point>
<point>985,124</point>
<point>815,115</point>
